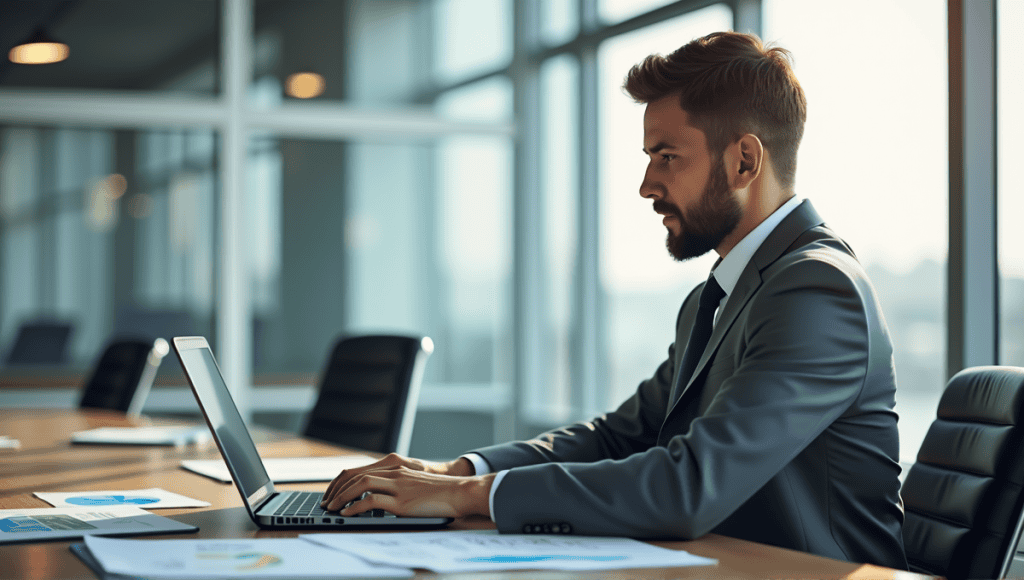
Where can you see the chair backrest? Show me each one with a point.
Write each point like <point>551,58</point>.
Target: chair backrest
<point>123,375</point>
<point>963,498</point>
<point>369,391</point>
<point>41,342</point>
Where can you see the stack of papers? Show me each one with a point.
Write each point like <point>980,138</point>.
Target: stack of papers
<point>171,435</point>
<point>30,525</point>
<point>261,558</point>
<point>284,470</point>
<point>371,555</point>
<point>482,551</point>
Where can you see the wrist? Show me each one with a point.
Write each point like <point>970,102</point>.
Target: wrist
<point>477,491</point>
<point>461,467</point>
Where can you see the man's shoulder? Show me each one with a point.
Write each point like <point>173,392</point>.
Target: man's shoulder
<point>819,262</point>
<point>817,252</point>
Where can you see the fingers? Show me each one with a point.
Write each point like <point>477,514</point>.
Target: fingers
<point>373,501</point>
<point>390,460</point>
<point>352,489</point>
<point>344,488</point>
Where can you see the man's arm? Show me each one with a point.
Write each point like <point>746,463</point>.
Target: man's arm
<point>804,362</point>
<point>630,429</point>
<point>634,426</point>
<point>803,365</point>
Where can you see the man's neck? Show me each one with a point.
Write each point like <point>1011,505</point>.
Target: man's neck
<point>763,197</point>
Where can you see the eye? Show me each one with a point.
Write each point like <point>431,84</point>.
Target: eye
<point>667,157</point>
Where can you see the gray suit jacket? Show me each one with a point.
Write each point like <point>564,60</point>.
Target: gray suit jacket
<point>785,434</point>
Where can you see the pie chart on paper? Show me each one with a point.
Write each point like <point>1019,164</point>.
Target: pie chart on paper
<point>90,500</point>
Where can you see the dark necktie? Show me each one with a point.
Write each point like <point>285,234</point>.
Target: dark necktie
<point>701,332</point>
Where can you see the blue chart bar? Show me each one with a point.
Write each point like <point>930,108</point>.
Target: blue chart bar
<point>522,559</point>
<point>21,524</point>
<point>111,500</point>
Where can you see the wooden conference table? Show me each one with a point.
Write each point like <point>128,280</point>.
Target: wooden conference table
<point>48,462</point>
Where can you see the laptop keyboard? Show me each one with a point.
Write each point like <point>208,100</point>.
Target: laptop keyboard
<point>302,504</point>
<point>307,503</point>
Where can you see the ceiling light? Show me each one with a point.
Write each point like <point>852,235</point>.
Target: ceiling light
<point>305,85</point>
<point>39,49</point>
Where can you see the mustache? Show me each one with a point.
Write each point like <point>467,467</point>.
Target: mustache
<point>664,207</point>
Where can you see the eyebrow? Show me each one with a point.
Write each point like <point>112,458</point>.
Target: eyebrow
<point>658,147</point>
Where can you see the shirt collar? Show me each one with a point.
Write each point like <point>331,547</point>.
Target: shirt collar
<point>728,271</point>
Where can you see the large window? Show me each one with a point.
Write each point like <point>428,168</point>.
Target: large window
<point>874,161</point>
<point>1010,77</point>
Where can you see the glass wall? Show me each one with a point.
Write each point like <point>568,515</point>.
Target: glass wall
<point>1010,78</point>
<point>874,161</point>
<point>378,226</point>
<point>109,232</point>
<point>394,232</point>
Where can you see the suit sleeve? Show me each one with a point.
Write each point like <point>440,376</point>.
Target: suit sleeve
<point>805,362</point>
<point>631,428</point>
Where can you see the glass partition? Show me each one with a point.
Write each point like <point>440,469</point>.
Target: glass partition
<point>111,232</point>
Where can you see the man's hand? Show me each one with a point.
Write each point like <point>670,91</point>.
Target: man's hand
<point>411,487</point>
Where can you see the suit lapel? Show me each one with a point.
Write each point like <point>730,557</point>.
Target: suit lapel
<point>789,229</point>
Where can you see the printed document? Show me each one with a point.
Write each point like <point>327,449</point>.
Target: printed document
<point>230,558</point>
<point>29,525</point>
<point>284,470</point>
<point>144,498</point>
<point>481,551</point>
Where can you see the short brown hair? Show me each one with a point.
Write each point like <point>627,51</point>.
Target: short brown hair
<point>731,84</point>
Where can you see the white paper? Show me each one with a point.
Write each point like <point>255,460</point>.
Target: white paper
<point>227,558</point>
<point>165,435</point>
<point>480,551</point>
<point>284,470</point>
<point>8,443</point>
<point>30,525</point>
<point>144,498</point>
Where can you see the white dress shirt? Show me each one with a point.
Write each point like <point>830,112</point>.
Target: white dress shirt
<point>727,274</point>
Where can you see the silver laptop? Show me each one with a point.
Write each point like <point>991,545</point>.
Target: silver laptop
<point>267,507</point>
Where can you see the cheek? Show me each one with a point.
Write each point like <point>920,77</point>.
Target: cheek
<point>683,190</point>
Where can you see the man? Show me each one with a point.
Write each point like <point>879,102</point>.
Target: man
<point>772,417</point>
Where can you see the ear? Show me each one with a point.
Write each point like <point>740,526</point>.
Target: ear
<point>744,160</point>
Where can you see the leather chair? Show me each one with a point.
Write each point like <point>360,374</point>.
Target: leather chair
<point>41,342</point>
<point>963,497</point>
<point>369,391</point>
<point>123,376</point>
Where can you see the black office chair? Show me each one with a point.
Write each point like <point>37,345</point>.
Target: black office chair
<point>41,342</point>
<point>123,375</point>
<point>369,391</point>
<point>963,498</point>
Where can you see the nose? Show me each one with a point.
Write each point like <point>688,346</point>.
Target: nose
<point>648,187</point>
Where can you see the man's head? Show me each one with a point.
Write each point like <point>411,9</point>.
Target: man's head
<point>723,123</point>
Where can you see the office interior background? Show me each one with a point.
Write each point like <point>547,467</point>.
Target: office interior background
<point>470,172</point>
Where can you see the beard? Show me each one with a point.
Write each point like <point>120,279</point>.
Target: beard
<point>715,215</point>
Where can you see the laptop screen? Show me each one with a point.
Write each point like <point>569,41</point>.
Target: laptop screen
<point>226,423</point>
